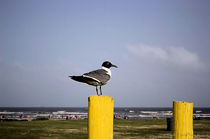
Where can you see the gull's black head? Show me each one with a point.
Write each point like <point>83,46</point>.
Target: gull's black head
<point>108,64</point>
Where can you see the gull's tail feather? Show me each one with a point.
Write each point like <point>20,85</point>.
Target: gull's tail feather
<point>78,78</point>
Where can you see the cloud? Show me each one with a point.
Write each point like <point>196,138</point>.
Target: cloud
<point>176,57</point>
<point>24,67</point>
<point>1,60</point>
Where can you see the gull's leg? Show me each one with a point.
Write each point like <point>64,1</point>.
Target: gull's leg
<point>97,90</point>
<point>100,90</point>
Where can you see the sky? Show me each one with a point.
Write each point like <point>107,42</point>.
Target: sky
<point>161,49</point>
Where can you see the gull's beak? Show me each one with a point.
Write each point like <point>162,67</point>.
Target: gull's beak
<point>114,66</point>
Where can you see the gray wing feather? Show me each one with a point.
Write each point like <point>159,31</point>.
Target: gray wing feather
<point>100,75</point>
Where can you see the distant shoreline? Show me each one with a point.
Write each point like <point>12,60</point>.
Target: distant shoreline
<point>82,112</point>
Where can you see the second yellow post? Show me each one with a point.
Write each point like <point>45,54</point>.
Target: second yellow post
<point>182,120</point>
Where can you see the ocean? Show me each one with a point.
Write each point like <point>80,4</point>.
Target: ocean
<point>119,112</point>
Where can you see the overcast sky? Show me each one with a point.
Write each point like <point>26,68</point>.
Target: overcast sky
<point>162,49</point>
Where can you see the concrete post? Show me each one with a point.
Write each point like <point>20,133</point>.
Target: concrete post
<point>182,120</point>
<point>100,117</point>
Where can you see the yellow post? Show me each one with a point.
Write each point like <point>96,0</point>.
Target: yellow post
<point>100,117</point>
<point>183,120</point>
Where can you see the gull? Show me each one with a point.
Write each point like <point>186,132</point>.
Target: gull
<point>96,78</point>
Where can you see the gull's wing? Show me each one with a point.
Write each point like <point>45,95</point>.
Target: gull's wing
<point>98,75</point>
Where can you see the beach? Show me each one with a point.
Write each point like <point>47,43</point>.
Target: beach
<point>77,129</point>
<point>30,113</point>
<point>69,122</point>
